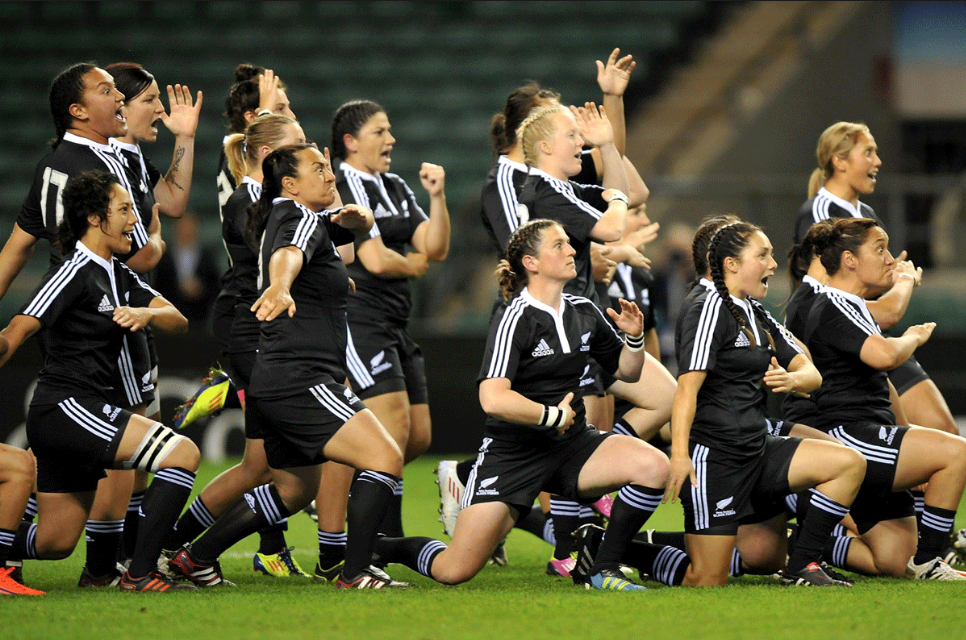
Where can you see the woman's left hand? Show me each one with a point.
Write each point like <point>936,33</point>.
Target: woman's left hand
<point>630,320</point>
<point>778,379</point>
<point>614,76</point>
<point>133,318</point>
<point>183,117</point>
<point>593,124</point>
<point>433,178</point>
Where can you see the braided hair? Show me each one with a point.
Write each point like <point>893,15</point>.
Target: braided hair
<point>281,163</point>
<point>728,242</point>
<point>524,241</point>
<point>702,238</point>
<point>519,104</point>
<point>536,128</point>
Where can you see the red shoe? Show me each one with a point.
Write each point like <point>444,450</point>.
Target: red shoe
<point>10,587</point>
<point>153,581</point>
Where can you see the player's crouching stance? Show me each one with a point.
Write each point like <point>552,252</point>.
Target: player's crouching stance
<point>86,306</point>
<point>536,437</point>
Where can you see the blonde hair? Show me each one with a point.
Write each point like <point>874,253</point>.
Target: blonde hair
<point>241,149</point>
<point>536,128</point>
<point>835,142</point>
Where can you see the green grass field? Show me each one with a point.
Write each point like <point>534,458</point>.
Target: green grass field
<point>517,601</point>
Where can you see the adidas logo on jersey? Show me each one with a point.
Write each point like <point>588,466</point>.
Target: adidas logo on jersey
<point>742,340</point>
<point>543,349</point>
<point>381,212</point>
<point>886,435</point>
<point>484,489</point>
<point>583,342</point>
<point>721,507</point>
<point>377,364</point>
<point>105,305</point>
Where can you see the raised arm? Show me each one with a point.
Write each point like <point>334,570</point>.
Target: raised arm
<point>631,322</point>
<point>889,308</point>
<point>885,354</point>
<point>172,191</point>
<point>432,237</point>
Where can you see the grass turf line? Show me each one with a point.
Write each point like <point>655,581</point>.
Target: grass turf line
<point>502,602</point>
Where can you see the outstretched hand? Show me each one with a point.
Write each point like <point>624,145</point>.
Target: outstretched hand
<point>182,116</point>
<point>267,91</point>
<point>352,216</point>
<point>630,320</point>
<point>593,124</point>
<point>614,76</point>
<point>272,303</point>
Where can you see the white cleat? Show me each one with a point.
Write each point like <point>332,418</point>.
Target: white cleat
<point>935,569</point>
<point>450,494</point>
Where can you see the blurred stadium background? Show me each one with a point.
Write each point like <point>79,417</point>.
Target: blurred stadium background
<point>723,113</point>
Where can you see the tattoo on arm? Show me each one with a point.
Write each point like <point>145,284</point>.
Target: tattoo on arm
<point>178,155</point>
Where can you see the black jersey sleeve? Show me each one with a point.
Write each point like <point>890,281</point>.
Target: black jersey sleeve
<point>576,215</point>
<point>296,228</point>
<point>588,169</point>
<point>499,221</point>
<point>842,326</point>
<point>701,332</point>
<point>804,221</point>
<point>606,344</point>
<point>58,291</point>
<point>138,292</point>
<point>338,234</point>
<point>154,174</point>
<point>506,339</point>
<point>784,342</point>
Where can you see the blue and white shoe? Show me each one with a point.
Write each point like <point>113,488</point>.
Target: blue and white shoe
<point>612,580</point>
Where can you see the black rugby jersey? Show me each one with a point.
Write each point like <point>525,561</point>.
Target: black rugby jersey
<point>396,215</point>
<point>295,353</point>
<point>75,303</point>
<point>838,325</point>
<point>240,289</point>
<point>730,411</point>
<point>142,176</point>
<point>634,285</point>
<point>43,209</point>
<point>224,179</point>
<point>575,206</point>
<point>796,408</point>
<point>825,206</point>
<point>545,354</point>
<point>499,207</point>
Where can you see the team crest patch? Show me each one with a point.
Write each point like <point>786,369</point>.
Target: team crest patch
<point>485,485</point>
<point>583,342</point>
<point>887,435</point>
<point>378,364</point>
<point>722,507</point>
<point>351,397</point>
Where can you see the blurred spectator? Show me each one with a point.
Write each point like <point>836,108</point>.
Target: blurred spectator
<point>187,274</point>
<point>673,272</point>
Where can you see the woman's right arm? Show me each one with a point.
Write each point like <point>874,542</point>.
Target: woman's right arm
<point>499,400</point>
<point>885,354</point>
<point>284,266</point>
<point>682,415</point>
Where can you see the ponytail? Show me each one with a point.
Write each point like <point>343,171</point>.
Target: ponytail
<point>524,241</point>
<point>281,163</point>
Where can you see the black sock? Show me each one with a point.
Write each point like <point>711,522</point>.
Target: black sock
<point>6,541</point>
<point>272,538</point>
<point>391,524</point>
<point>814,532</point>
<point>255,510</point>
<point>24,542</point>
<point>370,496</point>
<point>190,525</point>
<point>31,511</point>
<point>463,470</point>
<point>667,538</point>
<point>735,568</point>
<point>665,564</point>
<point>566,520</point>
<point>920,499</point>
<point>417,553</point>
<point>163,501</point>
<point>103,538</point>
<point>633,506</point>
<point>534,523</point>
<point>132,519</point>
<point>836,552</point>
<point>331,548</point>
<point>934,532</point>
